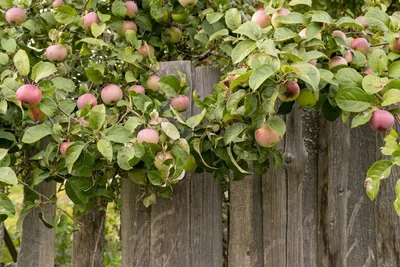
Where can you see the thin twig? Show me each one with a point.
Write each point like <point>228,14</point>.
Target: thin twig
<point>379,44</point>
<point>123,116</point>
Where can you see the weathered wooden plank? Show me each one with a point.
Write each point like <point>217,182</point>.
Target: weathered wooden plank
<point>245,247</point>
<point>1,239</point>
<point>387,223</point>
<point>37,241</point>
<point>205,195</point>
<point>310,119</point>
<point>88,242</point>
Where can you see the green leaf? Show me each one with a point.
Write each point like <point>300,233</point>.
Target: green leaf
<point>65,14</point>
<point>93,41</point>
<point>39,176</point>
<point>396,157</point>
<point>170,130</point>
<point>64,84</point>
<point>218,34</point>
<point>76,189</point>
<point>42,70</point>
<point>361,118</point>
<point>118,8</point>
<point>7,176</point>
<point>380,170</point>
<point>35,133</point>
<point>348,77</point>
<point>373,84</point>
<point>155,178</point>
<point>372,188</point>
<point>214,17</point>
<point>261,74</point>
<point>391,97</point>
<point>21,62</point>
<point>97,117</point>
<point>396,205</point>
<point>3,153</point>
<point>234,100</point>
<point>48,107</point>
<point>377,19</point>
<point>73,153</point>
<point>283,34</point>
<point>394,69</point>
<point>233,131</point>
<point>9,45</point>
<point>3,59</point>
<point>378,60</point>
<point>250,29</point>
<point>127,158</point>
<point>195,120</point>
<point>354,99</point>
<point>292,18</point>
<point>133,122</point>
<point>228,149</point>
<point>242,50</point>
<point>233,19</point>
<point>105,148</point>
<point>170,85</point>
<point>150,200</point>
<point>300,2</point>
<point>348,22</point>
<point>97,30</point>
<point>6,205</point>
<point>118,134</point>
<point>197,147</point>
<point>308,73</point>
<point>321,16</point>
<point>277,124</point>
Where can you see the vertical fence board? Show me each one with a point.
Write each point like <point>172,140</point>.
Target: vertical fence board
<point>88,242</point>
<point>38,242</point>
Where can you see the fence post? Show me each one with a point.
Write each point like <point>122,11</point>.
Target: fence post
<point>88,242</point>
<point>185,231</point>
<point>37,241</point>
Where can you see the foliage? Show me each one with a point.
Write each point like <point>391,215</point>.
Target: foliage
<point>88,147</point>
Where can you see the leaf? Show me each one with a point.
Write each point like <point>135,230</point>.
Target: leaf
<point>283,34</point>
<point>118,134</point>
<point>48,107</point>
<point>42,70</point>
<point>292,18</point>
<point>155,178</point>
<point>378,60</point>
<point>35,133</point>
<point>348,77</point>
<point>105,148</point>
<point>372,188</point>
<point>321,16</point>
<point>170,130</point>
<point>354,99</point>
<point>6,205</point>
<point>21,62</point>
<point>348,22</point>
<point>373,84</point>
<point>233,131</point>
<point>242,50</point>
<point>195,120</point>
<point>3,58</point>
<point>150,200</point>
<point>73,153</point>
<point>214,17</point>
<point>249,29</point>
<point>97,30</point>
<point>197,147</point>
<point>7,176</point>
<point>261,74</point>
<point>228,149</point>
<point>3,153</point>
<point>97,117</point>
<point>118,8</point>
<point>277,124</point>
<point>233,19</point>
<point>380,170</point>
<point>377,19</point>
<point>64,84</point>
<point>218,34</point>
<point>170,85</point>
<point>300,2</point>
<point>39,176</point>
<point>65,14</point>
<point>394,70</point>
<point>361,118</point>
<point>391,97</point>
<point>9,45</point>
<point>133,122</point>
<point>76,189</point>
<point>308,74</point>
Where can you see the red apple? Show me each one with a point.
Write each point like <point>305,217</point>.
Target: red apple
<point>143,50</point>
<point>368,70</point>
<point>261,18</point>
<point>360,44</point>
<point>148,136</point>
<point>152,83</point>
<point>137,88</point>
<point>395,47</point>
<point>340,34</point>
<point>291,93</point>
<point>336,61</point>
<point>349,56</point>
<point>160,158</point>
<point>64,146</point>
<point>85,100</point>
<point>131,8</point>
<point>89,19</point>
<point>56,53</point>
<point>180,103</point>
<point>128,25</point>
<point>266,136</point>
<point>173,34</point>
<point>313,62</point>
<point>281,12</point>
<point>381,121</point>
<point>188,3</point>
<point>83,122</point>
<point>29,94</point>
<point>363,22</point>
<point>15,15</point>
<point>58,3</point>
<point>111,94</point>
<point>36,114</point>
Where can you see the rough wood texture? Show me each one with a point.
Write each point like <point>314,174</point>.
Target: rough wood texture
<point>88,242</point>
<point>185,231</point>
<point>37,241</point>
<point>1,240</point>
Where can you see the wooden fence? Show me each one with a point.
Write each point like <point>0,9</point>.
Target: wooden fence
<point>312,212</point>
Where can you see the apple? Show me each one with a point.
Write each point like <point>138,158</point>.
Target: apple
<point>137,88</point>
<point>58,3</point>
<point>64,146</point>
<point>152,83</point>
<point>131,8</point>
<point>362,20</point>
<point>16,15</point>
<point>291,93</point>
<point>36,114</point>
<point>180,103</point>
<point>266,136</point>
<point>180,17</point>
<point>208,61</point>
<point>349,56</point>
<point>340,34</point>
<point>173,34</point>
<point>336,61</point>
<point>381,121</point>
<point>85,100</point>
<point>303,34</point>
<point>111,94</point>
<point>313,62</point>
<point>29,94</point>
<point>261,18</point>
<point>89,19</point>
<point>188,3</point>
<point>56,53</point>
<point>163,138</point>
<point>306,98</point>
<point>281,12</point>
<point>143,50</point>
<point>190,164</point>
<point>148,136</point>
<point>128,25</point>
<point>368,70</point>
<point>160,158</point>
<point>395,47</point>
<point>360,44</point>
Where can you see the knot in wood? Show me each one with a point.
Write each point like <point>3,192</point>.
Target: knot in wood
<point>288,158</point>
